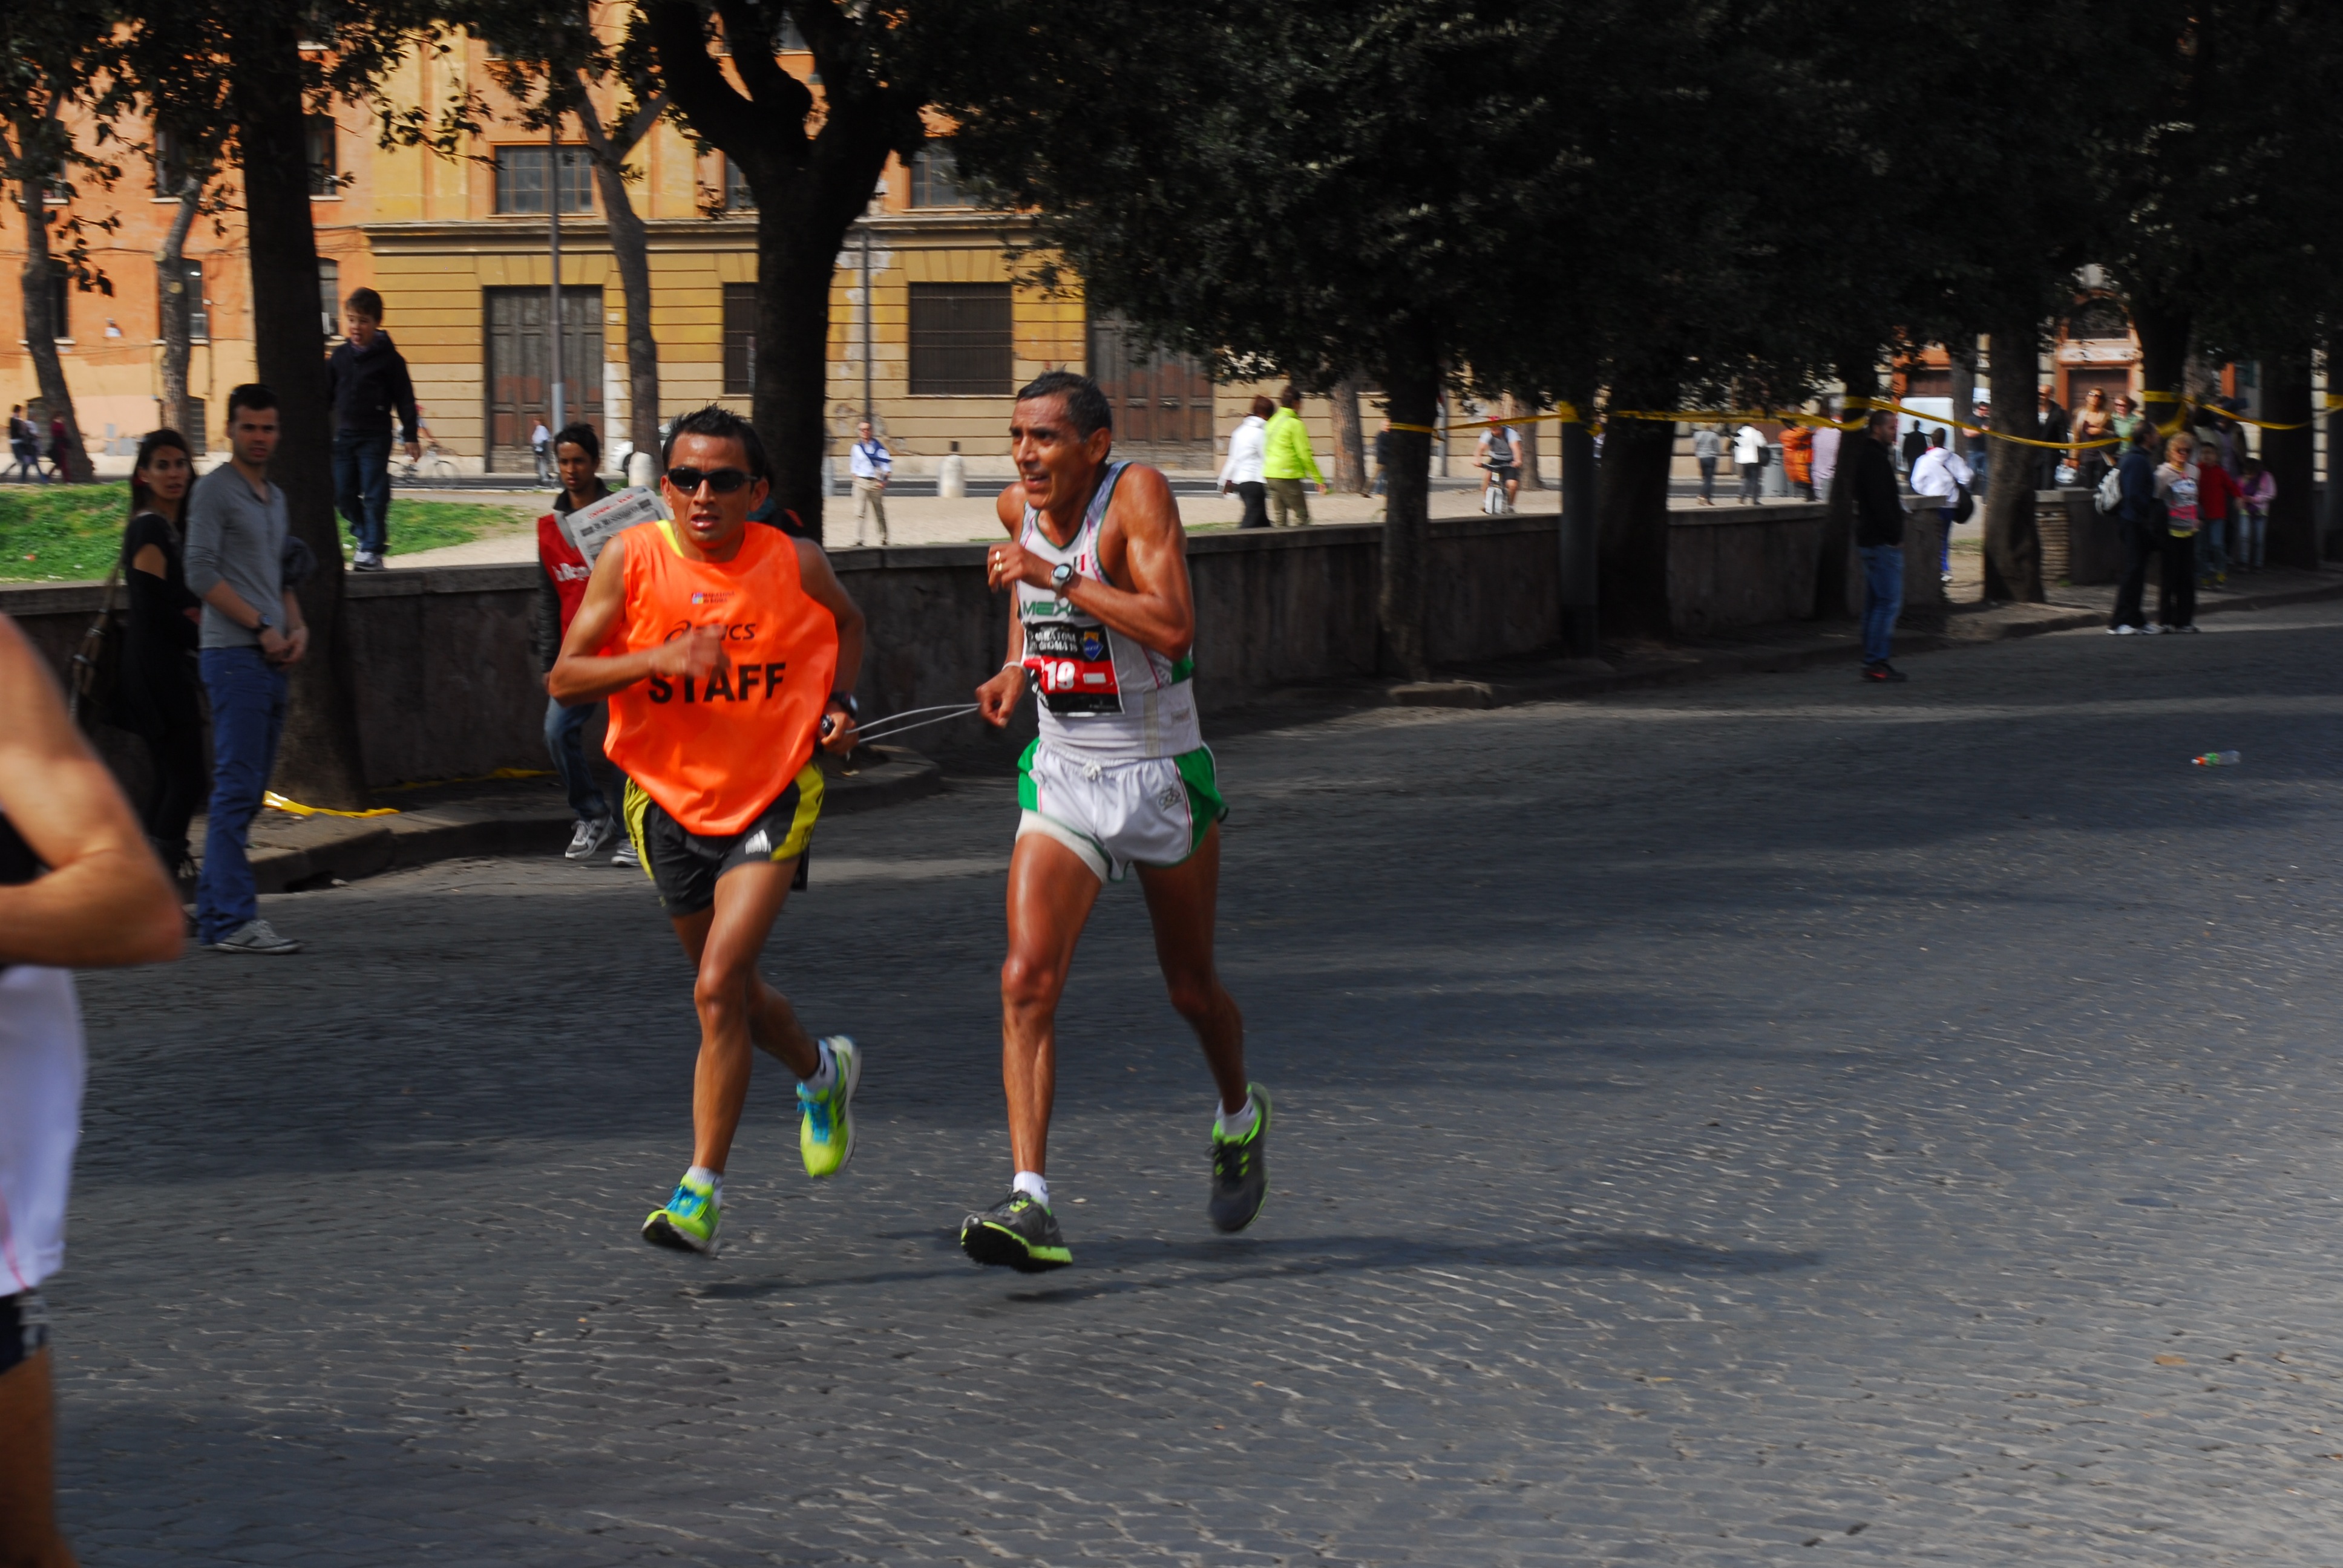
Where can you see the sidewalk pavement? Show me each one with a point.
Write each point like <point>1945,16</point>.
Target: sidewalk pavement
<point>501,817</point>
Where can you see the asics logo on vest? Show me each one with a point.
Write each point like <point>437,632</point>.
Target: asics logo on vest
<point>745,632</point>
<point>738,686</point>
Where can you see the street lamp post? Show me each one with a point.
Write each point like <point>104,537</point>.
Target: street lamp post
<point>553,215</point>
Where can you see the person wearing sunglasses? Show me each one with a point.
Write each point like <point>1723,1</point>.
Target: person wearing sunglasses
<point>728,653</point>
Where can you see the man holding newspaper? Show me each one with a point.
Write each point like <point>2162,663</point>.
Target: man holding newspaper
<point>584,516</point>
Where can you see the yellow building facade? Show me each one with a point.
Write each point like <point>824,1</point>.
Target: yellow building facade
<point>930,330</point>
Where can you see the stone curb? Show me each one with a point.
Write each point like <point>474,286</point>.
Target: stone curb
<point>1973,629</point>
<point>346,849</point>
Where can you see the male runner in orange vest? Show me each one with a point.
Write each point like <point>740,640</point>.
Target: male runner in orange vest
<point>728,651</point>
<point>1104,624</point>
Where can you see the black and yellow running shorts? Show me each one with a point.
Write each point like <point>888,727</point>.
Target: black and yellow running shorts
<point>685,867</point>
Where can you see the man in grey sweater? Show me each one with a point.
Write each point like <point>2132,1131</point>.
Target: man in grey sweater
<point>252,629</point>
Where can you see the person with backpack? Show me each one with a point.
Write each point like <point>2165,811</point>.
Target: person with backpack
<point>1942,476</point>
<point>1500,457</point>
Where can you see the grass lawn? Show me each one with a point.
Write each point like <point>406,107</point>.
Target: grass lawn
<point>69,533</point>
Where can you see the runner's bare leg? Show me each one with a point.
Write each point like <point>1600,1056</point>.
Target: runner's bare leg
<point>1051,893</point>
<point>735,1005</point>
<point>1182,902</point>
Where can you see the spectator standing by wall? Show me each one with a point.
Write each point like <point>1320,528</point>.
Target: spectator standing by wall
<point>252,630</point>
<point>2125,420</point>
<point>1980,454</point>
<point>1827,444</point>
<point>2051,424</point>
<point>154,697</point>
<point>1915,447</point>
<point>1287,461</point>
<point>1798,459</point>
<point>540,447</point>
<point>1879,539</point>
<point>1248,445</point>
<point>577,457</point>
<point>2255,492</point>
<point>2142,518</point>
<point>2093,422</point>
<point>1382,450</point>
<point>1749,461</point>
<point>871,465</point>
<point>1938,477</point>
<point>366,380</point>
<point>77,890</point>
<point>2217,505</point>
<point>1708,446</point>
<point>25,444</point>
<point>2177,483</point>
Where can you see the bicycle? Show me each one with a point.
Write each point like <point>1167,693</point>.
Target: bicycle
<point>435,465</point>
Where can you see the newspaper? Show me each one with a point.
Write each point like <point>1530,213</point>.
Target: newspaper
<point>591,528</point>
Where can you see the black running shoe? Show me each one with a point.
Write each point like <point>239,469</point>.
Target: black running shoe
<point>1016,1233</point>
<point>1241,1168</point>
<point>1883,674</point>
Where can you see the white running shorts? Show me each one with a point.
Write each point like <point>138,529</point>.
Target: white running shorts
<point>1115,815</point>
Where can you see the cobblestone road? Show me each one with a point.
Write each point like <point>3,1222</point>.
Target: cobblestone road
<point>1770,1120</point>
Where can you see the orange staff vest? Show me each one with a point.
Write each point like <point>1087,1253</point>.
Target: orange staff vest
<point>716,752</point>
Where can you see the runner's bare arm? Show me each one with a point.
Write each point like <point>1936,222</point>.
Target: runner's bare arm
<point>1142,544</point>
<point>996,698</point>
<point>821,586</point>
<point>584,674</point>
<point>105,900</point>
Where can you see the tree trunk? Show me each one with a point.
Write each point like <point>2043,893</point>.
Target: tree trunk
<point>792,385</point>
<point>2293,517</point>
<point>1858,373</point>
<point>1412,390</point>
<point>2332,525</point>
<point>1581,569</point>
<point>1632,512</point>
<point>630,247</point>
<point>1350,447</point>
<point>1532,475</point>
<point>178,312</point>
<point>319,762</point>
<point>1963,374</point>
<point>2163,334</point>
<point>2013,548</point>
<point>41,328</point>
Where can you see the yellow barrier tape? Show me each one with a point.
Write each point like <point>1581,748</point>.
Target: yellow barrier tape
<point>276,802</point>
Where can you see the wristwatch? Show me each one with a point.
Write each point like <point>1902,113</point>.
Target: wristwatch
<point>846,699</point>
<point>1063,575</point>
<point>263,624</point>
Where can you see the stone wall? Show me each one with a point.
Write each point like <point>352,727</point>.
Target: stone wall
<point>448,687</point>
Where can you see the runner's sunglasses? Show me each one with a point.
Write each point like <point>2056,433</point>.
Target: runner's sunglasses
<point>719,481</point>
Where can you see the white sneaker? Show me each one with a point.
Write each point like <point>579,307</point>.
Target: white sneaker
<point>590,834</point>
<point>2151,629</point>
<point>624,855</point>
<point>2123,631</point>
<point>256,935</point>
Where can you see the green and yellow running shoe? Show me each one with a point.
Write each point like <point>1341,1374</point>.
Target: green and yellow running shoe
<point>1017,1233</point>
<point>826,1121</point>
<point>688,1221</point>
<point>1241,1168</point>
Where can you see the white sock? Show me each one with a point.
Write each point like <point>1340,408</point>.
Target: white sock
<point>824,1077</point>
<point>715,1180</point>
<point>1236,1124</point>
<point>1034,1185</point>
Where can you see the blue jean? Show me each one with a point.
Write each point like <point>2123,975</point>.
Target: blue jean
<point>565,738</point>
<point>1883,599</point>
<point>2213,548</point>
<point>248,695</point>
<point>362,485</point>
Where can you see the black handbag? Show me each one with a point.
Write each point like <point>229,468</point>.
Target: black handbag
<point>1966,508</point>
<point>95,673</point>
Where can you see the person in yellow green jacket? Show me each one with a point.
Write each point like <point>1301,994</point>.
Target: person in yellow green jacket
<point>1285,458</point>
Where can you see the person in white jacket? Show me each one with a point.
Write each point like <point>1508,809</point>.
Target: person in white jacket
<point>1248,444</point>
<point>1938,474</point>
<point>1749,460</point>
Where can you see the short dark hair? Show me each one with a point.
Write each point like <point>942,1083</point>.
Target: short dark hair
<point>580,435</point>
<point>251,395</point>
<point>1261,406</point>
<point>1086,406</point>
<point>725,426</point>
<point>1290,397</point>
<point>366,302</point>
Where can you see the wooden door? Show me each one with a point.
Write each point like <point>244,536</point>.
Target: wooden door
<point>1162,402</point>
<point>518,387</point>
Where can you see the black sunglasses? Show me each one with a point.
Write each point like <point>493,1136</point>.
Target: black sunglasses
<point>719,481</point>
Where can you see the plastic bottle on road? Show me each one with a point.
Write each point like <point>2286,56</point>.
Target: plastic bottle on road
<point>2216,760</point>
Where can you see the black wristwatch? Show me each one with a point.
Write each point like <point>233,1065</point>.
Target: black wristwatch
<point>846,699</point>
<point>1059,578</point>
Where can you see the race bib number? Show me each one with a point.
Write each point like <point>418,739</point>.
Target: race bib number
<point>1072,667</point>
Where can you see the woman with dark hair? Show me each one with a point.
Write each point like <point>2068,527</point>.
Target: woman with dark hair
<point>156,696</point>
<point>1242,473</point>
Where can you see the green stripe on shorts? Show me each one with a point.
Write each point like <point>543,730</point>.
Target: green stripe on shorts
<point>1205,806</point>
